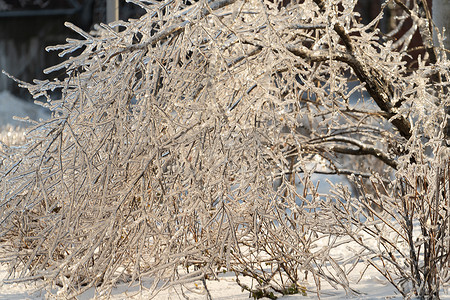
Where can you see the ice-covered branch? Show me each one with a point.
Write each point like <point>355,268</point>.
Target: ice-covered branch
<point>378,87</point>
<point>193,140</point>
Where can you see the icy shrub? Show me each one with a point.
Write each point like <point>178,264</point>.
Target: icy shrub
<point>409,220</point>
<point>187,142</point>
<point>408,217</point>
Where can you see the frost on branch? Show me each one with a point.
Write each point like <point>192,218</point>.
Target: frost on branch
<point>186,141</point>
<point>409,216</point>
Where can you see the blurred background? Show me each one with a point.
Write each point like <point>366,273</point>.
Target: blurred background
<point>28,26</point>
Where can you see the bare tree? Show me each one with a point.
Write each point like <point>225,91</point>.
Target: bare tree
<point>187,141</point>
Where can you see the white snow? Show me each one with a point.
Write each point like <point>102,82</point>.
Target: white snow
<point>11,106</point>
<point>372,286</point>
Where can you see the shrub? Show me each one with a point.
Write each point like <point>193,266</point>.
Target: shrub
<point>188,141</point>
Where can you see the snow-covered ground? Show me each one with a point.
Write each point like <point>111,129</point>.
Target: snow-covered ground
<point>371,286</point>
<point>11,106</point>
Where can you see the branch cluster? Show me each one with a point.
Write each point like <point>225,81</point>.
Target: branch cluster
<point>188,140</point>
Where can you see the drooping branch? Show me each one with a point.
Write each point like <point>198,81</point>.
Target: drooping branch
<point>376,87</point>
<point>379,88</point>
<point>366,151</point>
<point>361,149</point>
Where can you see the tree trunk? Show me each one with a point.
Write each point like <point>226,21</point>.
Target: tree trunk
<point>441,13</point>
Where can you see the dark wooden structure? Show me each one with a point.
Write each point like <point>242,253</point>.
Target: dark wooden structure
<point>27,27</point>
